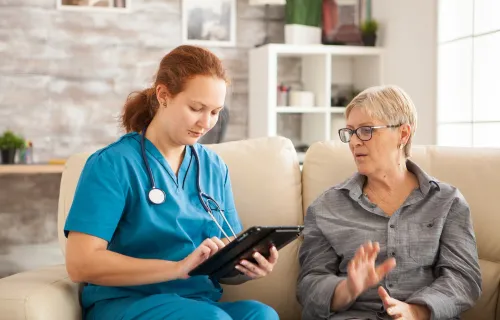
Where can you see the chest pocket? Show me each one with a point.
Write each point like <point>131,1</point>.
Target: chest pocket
<point>424,238</point>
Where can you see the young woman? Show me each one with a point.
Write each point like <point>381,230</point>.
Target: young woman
<point>141,219</point>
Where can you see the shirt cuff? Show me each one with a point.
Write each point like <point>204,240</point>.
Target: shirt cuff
<point>325,290</point>
<point>439,304</point>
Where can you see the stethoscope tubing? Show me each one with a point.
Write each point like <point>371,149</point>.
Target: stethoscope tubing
<point>198,186</point>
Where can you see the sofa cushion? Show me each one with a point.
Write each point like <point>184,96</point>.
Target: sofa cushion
<point>266,182</point>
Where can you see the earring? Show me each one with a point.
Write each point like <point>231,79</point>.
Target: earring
<point>164,104</point>
<point>401,146</point>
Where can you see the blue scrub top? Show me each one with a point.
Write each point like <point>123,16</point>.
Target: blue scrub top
<point>111,202</point>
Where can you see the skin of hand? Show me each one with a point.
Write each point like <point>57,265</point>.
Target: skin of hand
<point>401,310</point>
<point>262,268</point>
<point>362,274</point>
<point>204,251</point>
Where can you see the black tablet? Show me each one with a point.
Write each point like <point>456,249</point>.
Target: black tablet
<point>258,238</point>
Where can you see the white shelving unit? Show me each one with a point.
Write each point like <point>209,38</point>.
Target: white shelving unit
<point>321,67</point>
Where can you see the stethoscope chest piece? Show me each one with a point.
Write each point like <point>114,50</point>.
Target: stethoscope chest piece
<point>156,196</point>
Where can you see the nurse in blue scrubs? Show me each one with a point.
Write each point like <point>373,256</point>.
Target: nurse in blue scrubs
<point>139,223</point>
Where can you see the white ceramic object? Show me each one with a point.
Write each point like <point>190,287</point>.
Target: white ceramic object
<point>301,99</point>
<point>300,34</point>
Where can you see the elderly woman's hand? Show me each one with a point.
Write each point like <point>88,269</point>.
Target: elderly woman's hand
<point>362,274</point>
<point>402,310</point>
<point>263,268</point>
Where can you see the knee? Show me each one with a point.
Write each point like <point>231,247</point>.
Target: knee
<point>212,313</point>
<point>258,310</point>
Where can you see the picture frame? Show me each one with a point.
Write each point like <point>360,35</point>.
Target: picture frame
<point>341,21</point>
<point>209,23</point>
<point>349,12</point>
<point>123,6</point>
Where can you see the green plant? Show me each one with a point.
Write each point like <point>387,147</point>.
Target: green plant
<point>9,140</point>
<point>304,12</point>
<point>369,27</point>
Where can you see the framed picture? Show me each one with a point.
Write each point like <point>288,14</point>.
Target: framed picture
<point>349,12</point>
<point>341,19</point>
<point>209,23</point>
<point>95,5</point>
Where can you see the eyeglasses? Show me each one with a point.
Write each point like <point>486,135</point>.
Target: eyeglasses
<point>364,133</point>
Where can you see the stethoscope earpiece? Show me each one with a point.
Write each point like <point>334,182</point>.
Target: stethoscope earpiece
<point>156,196</point>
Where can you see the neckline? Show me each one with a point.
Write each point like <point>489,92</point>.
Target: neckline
<point>151,149</point>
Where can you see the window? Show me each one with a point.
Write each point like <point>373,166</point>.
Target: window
<point>468,68</point>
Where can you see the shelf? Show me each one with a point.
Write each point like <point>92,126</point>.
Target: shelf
<point>300,50</point>
<point>323,70</point>
<point>286,109</point>
<point>337,110</point>
<point>30,168</point>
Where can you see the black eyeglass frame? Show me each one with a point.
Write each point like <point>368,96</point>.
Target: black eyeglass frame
<point>355,131</point>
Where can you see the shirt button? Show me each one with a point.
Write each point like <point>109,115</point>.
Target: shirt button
<point>390,285</point>
<point>392,226</point>
<point>393,254</point>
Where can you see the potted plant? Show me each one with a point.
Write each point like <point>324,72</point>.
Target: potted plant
<point>9,144</point>
<point>303,21</point>
<point>369,32</point>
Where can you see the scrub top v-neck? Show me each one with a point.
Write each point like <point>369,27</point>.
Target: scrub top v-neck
<point>111,202</point>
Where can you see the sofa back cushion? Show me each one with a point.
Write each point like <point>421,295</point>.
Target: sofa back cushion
<point>474,171</point>
<point>265,176</point>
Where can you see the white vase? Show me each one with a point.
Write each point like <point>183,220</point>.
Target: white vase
<point>301,34</point>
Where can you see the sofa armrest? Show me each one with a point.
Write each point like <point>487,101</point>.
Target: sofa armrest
<point>46,293</point>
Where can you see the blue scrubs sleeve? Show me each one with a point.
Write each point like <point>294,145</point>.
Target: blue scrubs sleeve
<point>229,207</point>
<point>98,202</point>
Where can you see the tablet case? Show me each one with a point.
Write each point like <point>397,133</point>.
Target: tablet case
<point>257,238</point>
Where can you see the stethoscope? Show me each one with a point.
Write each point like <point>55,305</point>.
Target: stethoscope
<point>158,196</point>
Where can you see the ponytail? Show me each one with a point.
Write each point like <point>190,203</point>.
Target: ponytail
<point>176,68</point>
<point>139,110</point>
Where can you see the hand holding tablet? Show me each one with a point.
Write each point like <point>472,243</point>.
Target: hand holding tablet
<point>257,238</point>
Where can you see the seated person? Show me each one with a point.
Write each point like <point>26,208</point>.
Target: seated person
<point>390,242</point>
<point>155,204</point>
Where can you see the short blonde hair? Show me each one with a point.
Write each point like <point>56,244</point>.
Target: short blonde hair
<point>390,104</point>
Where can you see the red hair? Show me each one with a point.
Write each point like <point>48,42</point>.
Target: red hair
<point>176,68</point>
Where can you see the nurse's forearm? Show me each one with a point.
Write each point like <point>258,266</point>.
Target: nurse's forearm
<point>107,268</point>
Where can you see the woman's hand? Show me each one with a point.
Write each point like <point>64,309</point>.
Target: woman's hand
<point>204,251</point>
<point>402,310</point>
<point>361,271</point>
<point>263,268</point>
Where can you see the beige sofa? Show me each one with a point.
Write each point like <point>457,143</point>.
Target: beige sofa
<point>271,189</point>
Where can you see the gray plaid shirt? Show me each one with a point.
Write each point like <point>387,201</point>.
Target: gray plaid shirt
<point>430,235</point>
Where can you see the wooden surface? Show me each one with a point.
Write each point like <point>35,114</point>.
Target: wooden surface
<point>31,168</point>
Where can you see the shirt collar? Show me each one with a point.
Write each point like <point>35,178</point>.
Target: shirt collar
<point>425,181</point>
<point>356,182</point>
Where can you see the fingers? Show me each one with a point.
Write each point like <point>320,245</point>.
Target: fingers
<point>375,249</point>
<point>267,265</point>
<point>252,270</point>
<point>205,252</point>
<point>211,245</point>
<point>367,251</point>
<point>385,267</point>
<point>246,271</point>
<point>386,298</point>
<point>220,244</point>
<point>383,293</point>
<point>395,311</point>
<point>274,255</point>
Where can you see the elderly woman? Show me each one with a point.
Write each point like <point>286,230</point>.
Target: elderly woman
<point>390,242</point>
